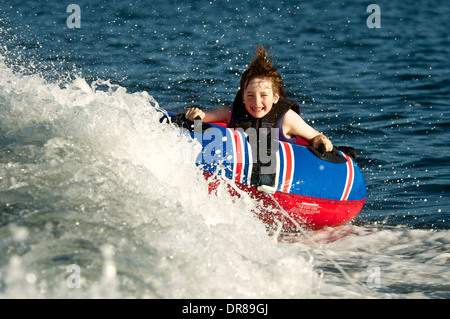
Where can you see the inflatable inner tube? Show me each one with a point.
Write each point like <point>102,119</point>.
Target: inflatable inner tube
<point>316,190</point>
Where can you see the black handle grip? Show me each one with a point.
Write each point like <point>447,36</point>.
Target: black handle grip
<point>322,149</point>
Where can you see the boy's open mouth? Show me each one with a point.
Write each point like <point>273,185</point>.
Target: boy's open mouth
<point>257,109</point>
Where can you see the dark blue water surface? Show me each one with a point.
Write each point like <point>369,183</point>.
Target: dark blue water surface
<point>384,91</point>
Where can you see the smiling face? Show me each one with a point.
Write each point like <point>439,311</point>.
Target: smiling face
<point>259,97</point>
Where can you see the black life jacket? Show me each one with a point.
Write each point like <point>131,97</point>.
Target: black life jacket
<point>241,119</point>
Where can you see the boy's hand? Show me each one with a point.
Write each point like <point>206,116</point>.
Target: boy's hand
<point>322,143</point>
<point>193,112</point>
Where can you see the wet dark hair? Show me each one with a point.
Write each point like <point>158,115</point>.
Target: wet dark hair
<point>261,67</point>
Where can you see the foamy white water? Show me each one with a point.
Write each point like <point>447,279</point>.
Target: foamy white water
<point>90,179</point>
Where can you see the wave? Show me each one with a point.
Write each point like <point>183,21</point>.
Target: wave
<point>84,166</point>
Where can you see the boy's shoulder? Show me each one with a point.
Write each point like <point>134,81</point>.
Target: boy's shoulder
<point>289,105</point>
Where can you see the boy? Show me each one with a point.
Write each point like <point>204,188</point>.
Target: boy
<point>261,103</point>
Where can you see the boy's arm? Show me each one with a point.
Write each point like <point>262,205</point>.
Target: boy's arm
<point>294,125</point>
<point>220,114</point>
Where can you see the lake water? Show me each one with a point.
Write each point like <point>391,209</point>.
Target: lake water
<point>95,194</point>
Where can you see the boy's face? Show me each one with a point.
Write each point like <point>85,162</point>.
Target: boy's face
<point>259,98</point>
